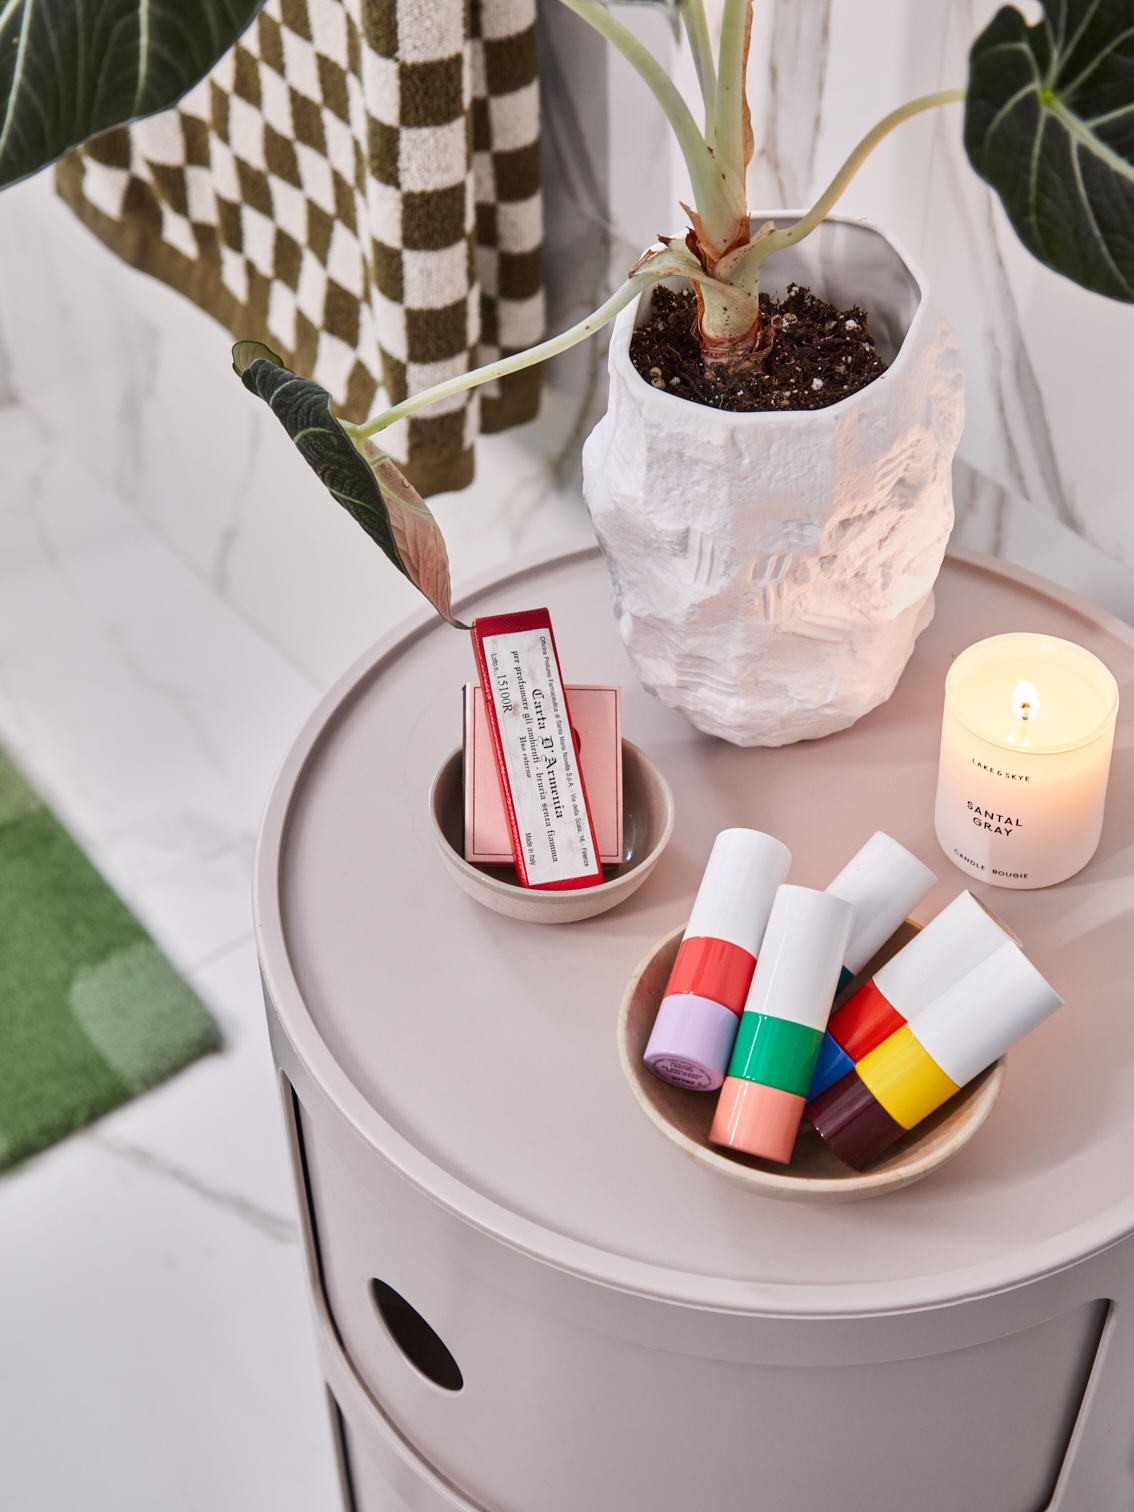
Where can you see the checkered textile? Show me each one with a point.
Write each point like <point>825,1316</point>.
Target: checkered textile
<point>357,185</point>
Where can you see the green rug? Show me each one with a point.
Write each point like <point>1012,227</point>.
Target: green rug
<point>91,1012</point>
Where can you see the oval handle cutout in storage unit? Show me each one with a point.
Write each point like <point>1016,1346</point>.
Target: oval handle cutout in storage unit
<point>416,1340</point>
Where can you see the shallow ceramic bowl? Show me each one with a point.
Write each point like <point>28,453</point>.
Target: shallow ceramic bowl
<point>647,823</point>
<point>814,1173</point>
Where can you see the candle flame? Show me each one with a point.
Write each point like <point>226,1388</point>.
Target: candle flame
<point>1026,701</point>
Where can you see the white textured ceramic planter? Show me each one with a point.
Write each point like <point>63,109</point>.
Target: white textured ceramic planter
<point>771,572</point>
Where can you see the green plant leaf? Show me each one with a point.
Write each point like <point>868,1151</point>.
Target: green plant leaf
<point>71,69</point>
<point>1049,123</point>
<point>370,487</point>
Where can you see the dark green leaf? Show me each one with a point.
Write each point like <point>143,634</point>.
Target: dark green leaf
<point>1049,123</point>
<point>71,69</point>
<point>370,488</point>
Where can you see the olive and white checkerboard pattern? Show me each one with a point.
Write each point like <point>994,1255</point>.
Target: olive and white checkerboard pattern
<point>357,185</point>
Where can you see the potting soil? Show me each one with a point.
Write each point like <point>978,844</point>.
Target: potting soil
<point>819,355</point>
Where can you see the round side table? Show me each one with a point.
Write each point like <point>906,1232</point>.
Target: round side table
<point>527,1300</point>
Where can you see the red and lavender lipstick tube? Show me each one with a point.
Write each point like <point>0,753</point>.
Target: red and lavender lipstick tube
<point>696,1025</point>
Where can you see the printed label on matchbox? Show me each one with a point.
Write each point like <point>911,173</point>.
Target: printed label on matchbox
<point>550,810</point>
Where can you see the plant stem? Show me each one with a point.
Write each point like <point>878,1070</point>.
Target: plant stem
<point>654,264</point>
<point>780,239</point>
<point>728,130</point>
<point>514,364</point>
<point>697,30</point>
<point>715,191</point>
<point>649,274</point>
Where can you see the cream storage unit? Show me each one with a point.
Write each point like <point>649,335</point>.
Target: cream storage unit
<point>527,1300</point>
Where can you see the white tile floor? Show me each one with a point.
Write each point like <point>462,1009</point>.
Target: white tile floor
<point>173,599</point>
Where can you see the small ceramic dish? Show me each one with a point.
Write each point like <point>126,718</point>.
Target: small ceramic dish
<point>814,1173</point>
<point>647,823</point>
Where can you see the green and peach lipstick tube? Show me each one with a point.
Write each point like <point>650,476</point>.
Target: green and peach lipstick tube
<point>781,1028</point>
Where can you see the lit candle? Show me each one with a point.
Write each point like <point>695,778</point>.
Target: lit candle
<point>1025,754</point>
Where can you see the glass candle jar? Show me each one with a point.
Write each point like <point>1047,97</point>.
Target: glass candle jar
<point>1025,754</point>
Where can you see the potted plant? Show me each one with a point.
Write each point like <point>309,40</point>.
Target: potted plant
<point>773,582</point>
<point>771,570</point>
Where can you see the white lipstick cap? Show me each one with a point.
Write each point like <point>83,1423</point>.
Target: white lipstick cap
<point>801,957</point>
<point>947,949</point>
<point>985,1013</point>
<point>885,882</point>
<point>738,888</point>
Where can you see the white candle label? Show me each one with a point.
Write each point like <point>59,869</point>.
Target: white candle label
<point>986,828</point>
<point>539,757</point>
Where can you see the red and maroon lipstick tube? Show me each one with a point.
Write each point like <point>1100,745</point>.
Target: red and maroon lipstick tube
<point>926,1061</point>
<point>950,946</point>
<point>541,781</point>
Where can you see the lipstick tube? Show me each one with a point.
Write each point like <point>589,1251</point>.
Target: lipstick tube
<point>696,1025</point>
<point>885,882</point>
<point>956,941</point>
<point>923,1063</point>
<point>763,1096</point>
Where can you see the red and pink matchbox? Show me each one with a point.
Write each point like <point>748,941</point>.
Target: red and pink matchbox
<point>540,780</point>
<point>596,717</point>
